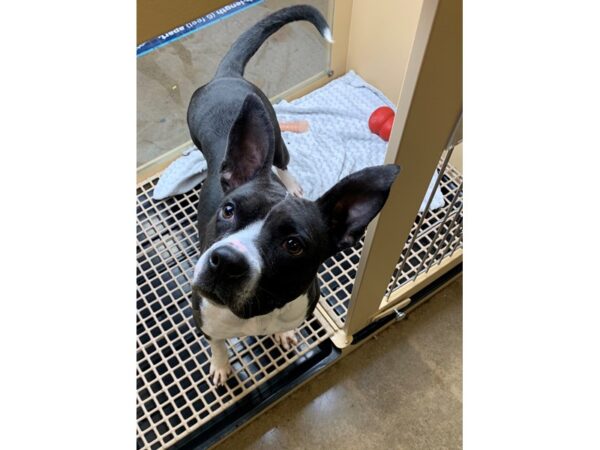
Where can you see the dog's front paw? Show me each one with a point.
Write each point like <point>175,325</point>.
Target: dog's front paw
<point>219,373</point>
<point>287,339</point>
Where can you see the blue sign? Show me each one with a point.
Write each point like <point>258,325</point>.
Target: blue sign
<point>195,25</point>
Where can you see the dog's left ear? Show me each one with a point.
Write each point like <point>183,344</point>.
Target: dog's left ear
<point>354,201</point>
<point>250,145</point>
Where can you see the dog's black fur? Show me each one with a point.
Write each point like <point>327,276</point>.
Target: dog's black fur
<point>234,125</point>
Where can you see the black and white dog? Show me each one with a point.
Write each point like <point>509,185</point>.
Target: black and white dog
<point>260,246</point>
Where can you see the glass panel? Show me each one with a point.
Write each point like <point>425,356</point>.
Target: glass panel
<point>167,76</point>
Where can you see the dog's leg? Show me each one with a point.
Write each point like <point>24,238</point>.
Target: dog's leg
<point>286,339</point>
<point>220,368</point>
<point>281,159</point>
<point>290,182</point>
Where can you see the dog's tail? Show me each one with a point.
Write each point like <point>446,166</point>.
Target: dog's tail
<point>234,62</point>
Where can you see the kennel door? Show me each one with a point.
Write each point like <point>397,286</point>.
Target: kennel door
<point>428,102</point>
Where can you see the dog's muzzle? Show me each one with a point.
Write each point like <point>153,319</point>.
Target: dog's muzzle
<point>223,275</point>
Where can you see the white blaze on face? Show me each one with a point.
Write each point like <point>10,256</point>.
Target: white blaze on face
<point>244,241</point>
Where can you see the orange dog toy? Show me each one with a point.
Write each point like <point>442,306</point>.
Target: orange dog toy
<point>299,126</point>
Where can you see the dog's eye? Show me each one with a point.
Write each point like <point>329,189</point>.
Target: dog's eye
<point>293,246</point>
<point>227,211</point>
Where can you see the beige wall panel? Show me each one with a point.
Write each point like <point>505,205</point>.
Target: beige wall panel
<point>342,16</point>
<point>381,36</point>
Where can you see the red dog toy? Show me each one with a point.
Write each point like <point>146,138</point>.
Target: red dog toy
<point>381,122</point>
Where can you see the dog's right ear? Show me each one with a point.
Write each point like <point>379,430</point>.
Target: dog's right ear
<point>250,145</point>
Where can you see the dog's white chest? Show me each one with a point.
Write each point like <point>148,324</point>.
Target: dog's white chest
<point>221,323</point>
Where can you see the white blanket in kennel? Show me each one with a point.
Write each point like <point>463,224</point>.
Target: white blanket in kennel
<point>337,143</point>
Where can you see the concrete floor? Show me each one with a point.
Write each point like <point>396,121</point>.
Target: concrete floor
<point>402,390</point>
<point>167,77</point>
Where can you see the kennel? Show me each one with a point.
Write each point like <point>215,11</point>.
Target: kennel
<point>408,252</point>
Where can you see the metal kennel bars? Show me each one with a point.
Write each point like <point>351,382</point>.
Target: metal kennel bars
<point>402,254</point>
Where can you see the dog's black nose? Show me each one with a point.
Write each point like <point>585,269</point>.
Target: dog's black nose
<point>228,261</point>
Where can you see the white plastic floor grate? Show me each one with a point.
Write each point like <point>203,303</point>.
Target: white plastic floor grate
<point>174,394</point>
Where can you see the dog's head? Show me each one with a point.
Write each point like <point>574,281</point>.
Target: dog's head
<point>263,247</point>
